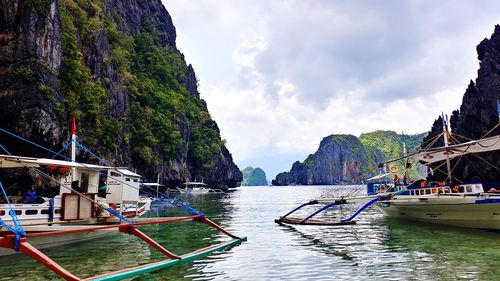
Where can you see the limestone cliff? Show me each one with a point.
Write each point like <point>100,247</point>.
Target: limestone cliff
<point>345,159</point>
<point>254,177</point>
<point>476,117</point>
<point>115,66</point>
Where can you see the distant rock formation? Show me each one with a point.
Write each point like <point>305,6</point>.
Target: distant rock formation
<point>254,176</point>
<point>345,159</point>
<point>476,117</point>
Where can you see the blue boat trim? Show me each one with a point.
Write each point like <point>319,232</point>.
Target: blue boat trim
<point>488,201</point>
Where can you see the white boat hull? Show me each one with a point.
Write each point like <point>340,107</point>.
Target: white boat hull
<point>45,242</point>
<point>469,212</point>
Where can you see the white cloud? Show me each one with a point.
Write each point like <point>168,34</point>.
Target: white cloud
<point>278,76</point>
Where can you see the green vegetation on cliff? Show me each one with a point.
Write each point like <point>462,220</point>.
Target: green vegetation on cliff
<point>345,159</point>
<point>391,145</point>
<point>86,99</point>
<point>253,177</point>
<point>152,75</point>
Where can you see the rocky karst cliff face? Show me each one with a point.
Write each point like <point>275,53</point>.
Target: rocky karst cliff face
<point>476,117</point>
<point>254,177</point>
<point>114,65</point>
<point>345,159</point>
<point>339,159</point>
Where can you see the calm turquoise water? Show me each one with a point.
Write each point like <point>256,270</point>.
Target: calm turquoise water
<point>374,249</point>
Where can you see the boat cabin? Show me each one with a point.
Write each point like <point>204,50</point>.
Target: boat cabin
<point>42,188</point>
<point>123,186</point>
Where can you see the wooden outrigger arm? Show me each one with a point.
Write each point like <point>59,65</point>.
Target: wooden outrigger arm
<point>8,241</point>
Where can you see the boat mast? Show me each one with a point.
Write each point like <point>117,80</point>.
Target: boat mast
<point>446,140</point>
<point>158,186</point>
<point>498,109</point>
<point>405,177</point>
<point>73,148</point>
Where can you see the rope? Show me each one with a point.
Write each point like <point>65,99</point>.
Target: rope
<point>63,149</point>
<point>485,161</point>
<point>91,153</point>
<point>17,228</point>
<point>30,142</point>
<point>492,129</point>
<point>184,206</point>
<point>434,140</point>
<point>113,212</point>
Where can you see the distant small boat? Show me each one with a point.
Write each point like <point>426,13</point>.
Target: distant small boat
<point>194,188</point>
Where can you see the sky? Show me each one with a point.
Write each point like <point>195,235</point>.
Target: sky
<point>279,76</point>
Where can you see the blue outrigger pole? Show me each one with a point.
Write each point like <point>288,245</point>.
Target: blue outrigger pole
<point>349,220</point>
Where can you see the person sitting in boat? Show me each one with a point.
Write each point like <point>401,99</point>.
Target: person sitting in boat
<point>25,181</point>
<point>397,180</point>
<point>103,190</point>
<point>30,197</point>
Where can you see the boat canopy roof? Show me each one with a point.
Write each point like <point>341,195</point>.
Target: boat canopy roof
<point>437,154</point>
<point>194,183</point>
<point>379,177</point>
<point>441,153</point>
<point>8,161</point>
<point>151,184</point>
<point>128,173</point>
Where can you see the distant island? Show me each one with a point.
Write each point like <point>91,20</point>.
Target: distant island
<point>346,159</point>
<point>253,177</point>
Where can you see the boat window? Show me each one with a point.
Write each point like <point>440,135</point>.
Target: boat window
<point>57,211</point>
<point>2,213</point>
<point>469,188</point>
<point>18,212</point>
<point>136,180</point>
<point>31,212</point>
<point>114,174</point>
<point>127,179</point>
<point>45,212</point>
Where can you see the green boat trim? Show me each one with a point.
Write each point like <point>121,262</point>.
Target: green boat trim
<point>147,268</point>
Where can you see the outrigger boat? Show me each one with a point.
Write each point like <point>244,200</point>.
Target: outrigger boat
<point>461,204</point>
<point>193,187</point>
<point>75,212</point>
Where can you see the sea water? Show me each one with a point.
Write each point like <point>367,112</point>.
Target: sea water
<point>376,248</point>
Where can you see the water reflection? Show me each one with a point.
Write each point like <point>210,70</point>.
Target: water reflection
<point>375,248</point>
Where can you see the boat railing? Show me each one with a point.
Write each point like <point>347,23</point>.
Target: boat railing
<point>433,190</point>
<point>470,188</point>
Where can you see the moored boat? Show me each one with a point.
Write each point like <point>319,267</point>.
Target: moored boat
<point>450,202</point>
<point>50,203</point>
<point>195,188</point>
